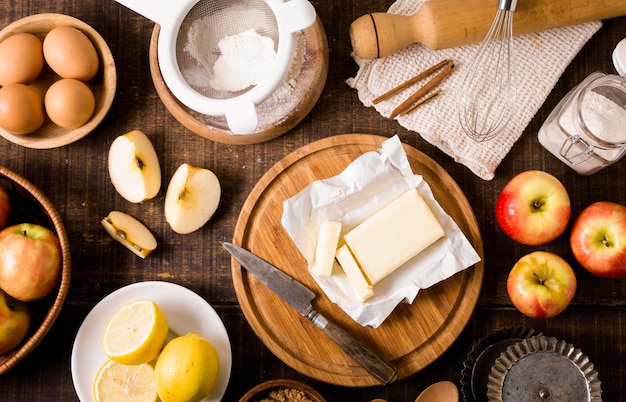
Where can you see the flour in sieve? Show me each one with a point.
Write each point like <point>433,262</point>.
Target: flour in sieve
<point>207,41</point>
<point>245,59</point>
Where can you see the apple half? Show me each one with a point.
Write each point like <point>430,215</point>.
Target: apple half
<point>134,167</point>
<point>192,197</point>
<point>131,233</point>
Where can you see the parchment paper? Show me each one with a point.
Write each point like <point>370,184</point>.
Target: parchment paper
<point>368,184</point>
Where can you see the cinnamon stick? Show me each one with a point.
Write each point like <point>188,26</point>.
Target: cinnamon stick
<point>422,101</point>
<point>410,82</point>
<point>422,91</point>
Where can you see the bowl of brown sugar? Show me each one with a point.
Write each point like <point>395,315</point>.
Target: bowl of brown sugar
<point>283,390</point>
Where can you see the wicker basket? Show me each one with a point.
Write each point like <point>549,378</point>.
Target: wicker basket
<point>31,205</point>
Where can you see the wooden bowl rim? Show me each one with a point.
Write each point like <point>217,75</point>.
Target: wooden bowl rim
<point>282,383</point>
<point>22,351</point>
<point>107,72</point>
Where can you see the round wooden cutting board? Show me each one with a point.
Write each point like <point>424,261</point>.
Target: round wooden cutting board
<point>412,337</point>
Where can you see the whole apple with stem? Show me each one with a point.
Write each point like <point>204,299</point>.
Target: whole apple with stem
<point>5,208</point>
<point>533,208</point>
<point>541,284</point>
<point>14,322</point>
<point>598,239</point>
<point>30,261</point>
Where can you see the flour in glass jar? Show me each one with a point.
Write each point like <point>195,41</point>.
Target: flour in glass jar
<point>603,116</point>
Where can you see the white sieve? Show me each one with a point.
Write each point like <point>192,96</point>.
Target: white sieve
<point>187,78</point>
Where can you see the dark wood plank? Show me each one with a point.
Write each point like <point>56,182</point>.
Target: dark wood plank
<point>75,179</point>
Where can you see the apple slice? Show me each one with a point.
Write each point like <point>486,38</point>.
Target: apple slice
<point>191,199</point>
<point>134,167</point>
<point>133,234</point>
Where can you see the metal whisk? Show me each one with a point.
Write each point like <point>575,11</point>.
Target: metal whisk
<point>487,98</point>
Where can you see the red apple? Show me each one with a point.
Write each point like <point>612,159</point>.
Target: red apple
<point>533,208</point>
<point>598,239</point>
<point>14,322</point>
<point>541,284</point>
<point>30,261</point>
<point>5,208</point>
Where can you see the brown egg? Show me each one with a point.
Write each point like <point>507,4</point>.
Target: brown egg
<point>70,53</point>
<point>21,59</point>
<point>69,103</point>
<point>21,109</point>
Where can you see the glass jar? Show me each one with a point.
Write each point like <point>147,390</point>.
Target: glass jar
<point>587,129</point>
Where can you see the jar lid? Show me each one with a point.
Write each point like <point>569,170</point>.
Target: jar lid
<point>619,58</point>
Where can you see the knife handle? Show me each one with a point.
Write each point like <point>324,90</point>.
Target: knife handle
<point>378,368</point>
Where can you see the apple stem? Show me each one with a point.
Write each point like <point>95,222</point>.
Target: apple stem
<point>140,163</point>
<point>606,243</point>
<point>541,281</point>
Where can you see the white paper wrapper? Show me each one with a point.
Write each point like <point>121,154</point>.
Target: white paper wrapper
<point>368,184</point>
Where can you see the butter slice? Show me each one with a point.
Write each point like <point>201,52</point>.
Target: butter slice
<point>393,235</point>
<point>327,241</point>
<point>349,265</point>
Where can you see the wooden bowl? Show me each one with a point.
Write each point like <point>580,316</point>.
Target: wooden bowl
<point>30,205</point>
<point>276,117</point>
<point>103,84</point>
<point>262,390</point>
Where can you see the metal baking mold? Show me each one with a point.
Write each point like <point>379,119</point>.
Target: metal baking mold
<point>480,359</point>
<point>541,368</point>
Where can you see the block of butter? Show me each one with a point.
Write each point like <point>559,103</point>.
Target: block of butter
<point>393,235</point>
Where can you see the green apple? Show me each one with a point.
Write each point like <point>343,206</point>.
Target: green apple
<point>134,167</point>
<point>541,284</point>
<point>130,232</point>
<point>30,261</point>
<point>14,322</point>
<point>533,208</point>
<point>192,197</point>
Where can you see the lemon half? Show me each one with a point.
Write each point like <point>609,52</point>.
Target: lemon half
<point>187,369</point>
<point>135,334</point>
<point>117,382</point>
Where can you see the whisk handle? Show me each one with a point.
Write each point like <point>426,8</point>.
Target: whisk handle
<point>507,5</point>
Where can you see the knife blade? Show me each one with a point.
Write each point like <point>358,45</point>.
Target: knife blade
<point>300,298</point>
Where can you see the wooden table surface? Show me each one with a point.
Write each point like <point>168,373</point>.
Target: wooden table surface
<point>75,178</point>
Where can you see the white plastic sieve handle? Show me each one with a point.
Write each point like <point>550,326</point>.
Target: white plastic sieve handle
<point>162,12</point>
<point>295,15</point>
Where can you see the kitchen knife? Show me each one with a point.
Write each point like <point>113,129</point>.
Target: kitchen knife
<point>300,297</point>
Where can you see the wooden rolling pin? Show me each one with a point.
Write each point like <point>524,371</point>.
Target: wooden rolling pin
<point>440,24</point>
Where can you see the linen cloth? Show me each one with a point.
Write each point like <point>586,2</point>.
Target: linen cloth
<point>541,58</point>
